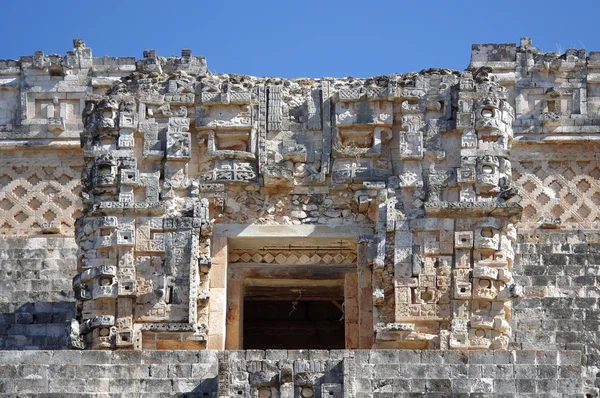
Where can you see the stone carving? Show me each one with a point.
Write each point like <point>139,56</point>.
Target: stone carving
<point>566,191</point>
<point>276,256</point>
<point>443,281</point>
<point>362,129</point>
<point>423,174</point>
<point>297,378</point>
<point>452,276</point>
<point>297,135</point>
<point>227,122</point>
<point>429,169</point>
<point>140,271</point>
<point>38,199</point>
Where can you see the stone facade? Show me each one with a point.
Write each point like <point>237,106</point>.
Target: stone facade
<point>442,212</point>
<point>437,258</point>
<point>281,373</point>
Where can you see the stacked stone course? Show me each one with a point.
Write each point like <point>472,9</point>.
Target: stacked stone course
<point>363,373</point>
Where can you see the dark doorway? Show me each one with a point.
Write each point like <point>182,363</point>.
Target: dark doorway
<point>293,325</point>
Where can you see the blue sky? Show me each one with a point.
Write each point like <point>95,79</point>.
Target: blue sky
<point>289,38</point>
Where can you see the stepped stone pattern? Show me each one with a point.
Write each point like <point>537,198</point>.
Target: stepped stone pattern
<point>451,216</point>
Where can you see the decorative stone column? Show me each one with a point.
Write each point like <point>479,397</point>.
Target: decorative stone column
<point>144,250</point>
<point>454,240</point>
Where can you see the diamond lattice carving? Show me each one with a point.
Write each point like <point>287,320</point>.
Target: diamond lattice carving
<point>567,191</point>
<point>30,197</point>
<point>291,257</point>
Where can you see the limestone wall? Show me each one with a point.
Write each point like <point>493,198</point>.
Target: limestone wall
<point>559,312</point>
<point>559,272</point>
<point>343,373</point>
<point>156,374</point>
<point>36,295</point>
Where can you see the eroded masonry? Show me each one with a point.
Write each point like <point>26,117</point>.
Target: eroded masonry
<point>220,211</point>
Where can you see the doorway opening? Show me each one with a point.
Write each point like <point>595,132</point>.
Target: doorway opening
<point>293,325</point>
<point>292,294</point>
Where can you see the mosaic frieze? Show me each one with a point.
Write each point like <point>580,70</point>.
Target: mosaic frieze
<point>433,165</point>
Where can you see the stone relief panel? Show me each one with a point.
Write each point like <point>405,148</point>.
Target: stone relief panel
<point>228,125</point>
<point>559,194</point>
<point>170,154</point>
<point>293,378</point>
<point>280,256</point>
<point>41,98</point>
<point>297,133</point>
<point>39,196</point>
<point>452,275</point>
<point>143,239</point>
<point>362,129</point>
<point>552,99</point>
<point>555,130</point>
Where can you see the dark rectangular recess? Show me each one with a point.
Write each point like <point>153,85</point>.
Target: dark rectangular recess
<point>293,325</point>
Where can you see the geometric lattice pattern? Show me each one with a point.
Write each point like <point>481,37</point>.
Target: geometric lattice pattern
<point>567,191</point>
<point>292,257</point>
<point>32,198</point>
